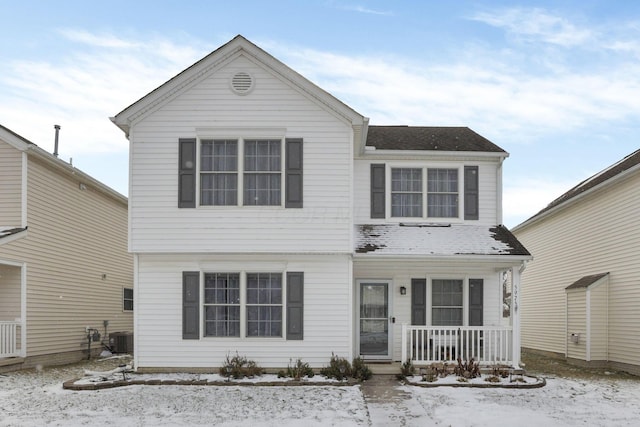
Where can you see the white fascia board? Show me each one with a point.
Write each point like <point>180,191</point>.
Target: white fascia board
<point>14,139</point>
<point>218,58</point>
<point>13,237</point>
<point>455,155</point>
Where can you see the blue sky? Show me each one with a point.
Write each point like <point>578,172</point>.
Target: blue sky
<point>555,83</point>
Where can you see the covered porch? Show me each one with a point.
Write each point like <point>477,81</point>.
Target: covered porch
<point>433,294</point>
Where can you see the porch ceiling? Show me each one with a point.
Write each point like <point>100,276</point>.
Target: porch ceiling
<point>437,240</point>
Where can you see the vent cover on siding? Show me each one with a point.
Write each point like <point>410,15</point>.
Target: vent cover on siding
<point>242,83</point>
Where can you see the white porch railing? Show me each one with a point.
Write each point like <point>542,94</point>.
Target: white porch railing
<point>9,339</point>
<point>429,344</point>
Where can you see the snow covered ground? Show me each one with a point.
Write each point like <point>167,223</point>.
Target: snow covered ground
<point>36,398</point>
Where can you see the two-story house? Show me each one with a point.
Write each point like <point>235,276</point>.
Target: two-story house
<point>268,218</point>
<point>65,273</point>
<point>581,295</point>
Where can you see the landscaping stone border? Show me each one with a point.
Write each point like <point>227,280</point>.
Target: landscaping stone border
<point>71,384</point>
<point>540,382</point>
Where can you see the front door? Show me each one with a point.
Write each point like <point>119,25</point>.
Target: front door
<point>374,329</point>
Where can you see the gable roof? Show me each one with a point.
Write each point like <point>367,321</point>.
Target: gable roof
<point>436,240</point>
<point>235,47</point>
<point>430,138</point>
<point>608,175</point>
<point>14,139</point>
<point>586,281</point>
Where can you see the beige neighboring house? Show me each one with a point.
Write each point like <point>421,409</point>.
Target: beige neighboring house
<point>64,265</point>
<point>581,294</point>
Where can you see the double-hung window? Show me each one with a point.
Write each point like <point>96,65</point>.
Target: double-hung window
<point>447,302</point>
<point>442,193</point>
<point>408,196</point>
<point>219,172</point>
<point>222,173</point>
<point>264,304</point>
<point>406,192</point>
<point>256,297</point>
<point>222,304</point>
<point>262,172</point>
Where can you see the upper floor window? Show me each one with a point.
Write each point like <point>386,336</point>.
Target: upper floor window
<point>407,196</point>
<point>406,192</point>
<point>260,172</point>
<point>240,172</point>
<point>219,172</point>
<point>442,193</point>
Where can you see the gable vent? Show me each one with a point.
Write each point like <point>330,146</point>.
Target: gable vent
<point>242,83</point>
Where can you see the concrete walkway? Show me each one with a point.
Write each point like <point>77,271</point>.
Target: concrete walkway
<point>389,404</point>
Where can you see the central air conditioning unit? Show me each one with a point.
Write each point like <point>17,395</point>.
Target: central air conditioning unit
<point>121,342</point>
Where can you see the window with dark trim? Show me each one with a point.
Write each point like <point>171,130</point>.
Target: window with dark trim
<point>127,299</point>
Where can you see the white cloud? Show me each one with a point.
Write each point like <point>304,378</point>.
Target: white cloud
<point>85,87</point>
<point>536,24</point>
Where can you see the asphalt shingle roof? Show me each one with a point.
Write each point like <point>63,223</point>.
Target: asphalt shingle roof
<point>437,239</point>
<point>586,281</point>
<point>612,171</point>
<point>428,138</point>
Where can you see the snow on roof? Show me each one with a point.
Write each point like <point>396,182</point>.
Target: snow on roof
<point>436,239</point>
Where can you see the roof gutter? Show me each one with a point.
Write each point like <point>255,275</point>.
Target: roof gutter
<point>506,258</point>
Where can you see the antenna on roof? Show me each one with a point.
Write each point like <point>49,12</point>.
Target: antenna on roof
<point>55,146</point>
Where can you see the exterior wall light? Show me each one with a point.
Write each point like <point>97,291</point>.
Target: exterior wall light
<point>403,290</point>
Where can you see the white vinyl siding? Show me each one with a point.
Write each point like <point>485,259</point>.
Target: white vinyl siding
<point>599,322</point>
<point>10,186</point>
<point>597,234</point>
<point>400,273</point>
<point>76,259</point>
<point>272,107</point>
<point>327,312</point>
<point>487,182</point>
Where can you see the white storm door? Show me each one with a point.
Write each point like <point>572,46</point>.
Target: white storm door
<point>374,338</point>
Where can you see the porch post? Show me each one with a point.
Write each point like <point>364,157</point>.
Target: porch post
<point>23,309</point>
<point>404,343</point>
<point>515,316</point>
